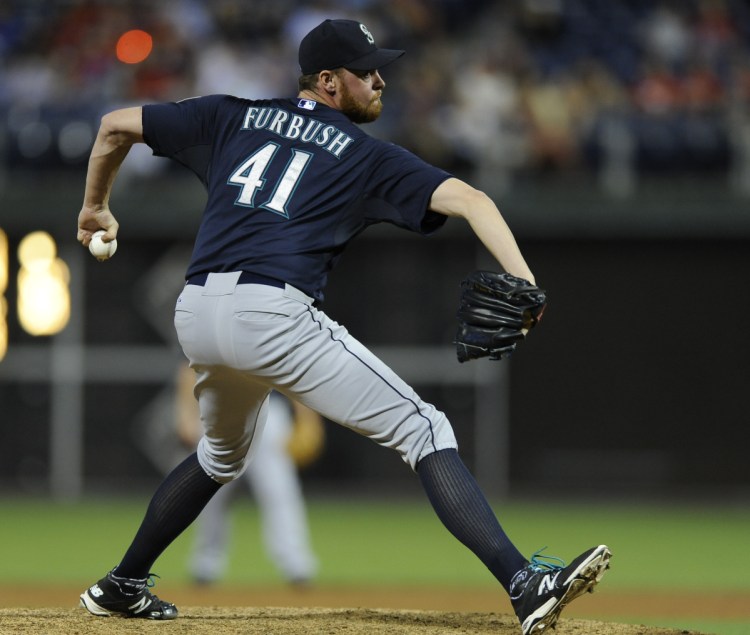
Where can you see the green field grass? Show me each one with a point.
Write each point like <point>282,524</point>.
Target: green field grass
<point>673,547</point>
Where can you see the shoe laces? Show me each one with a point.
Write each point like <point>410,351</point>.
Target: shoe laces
<point>138,585</point>
<point>545,563</point>
<point>150,582</point>
<point>538,564</point>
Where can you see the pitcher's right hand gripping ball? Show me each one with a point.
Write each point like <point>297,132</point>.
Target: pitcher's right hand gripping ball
<point>496,311</point>
<point>99,249</point>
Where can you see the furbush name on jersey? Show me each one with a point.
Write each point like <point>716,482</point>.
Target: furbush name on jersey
<point>293,127</point>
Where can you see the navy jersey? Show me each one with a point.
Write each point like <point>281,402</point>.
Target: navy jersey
<point>290,182</point>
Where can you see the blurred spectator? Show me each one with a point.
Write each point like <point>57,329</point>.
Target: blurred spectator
<point>715,30</point>
<point>420,122</point>
<point>605,130</point>
<point>702,90</point>
<point>239,70</point>
<point>666,34</point>
<point>657,92</point>
<point>549,106</point>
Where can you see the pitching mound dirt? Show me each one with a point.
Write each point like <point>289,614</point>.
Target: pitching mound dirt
<point>298,621</point>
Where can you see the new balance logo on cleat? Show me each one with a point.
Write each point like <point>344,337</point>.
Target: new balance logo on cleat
<point>140,605</point>
<point>126,598</point>
<point>547,584</point>
<point>541,590</point>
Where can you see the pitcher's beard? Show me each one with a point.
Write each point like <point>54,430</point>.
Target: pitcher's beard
<point>356,111</point>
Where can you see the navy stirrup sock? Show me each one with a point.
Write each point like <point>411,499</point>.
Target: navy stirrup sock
<point>176,504</point>
<point>465,512</point>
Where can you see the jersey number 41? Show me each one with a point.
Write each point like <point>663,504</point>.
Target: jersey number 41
<point>250,176</point>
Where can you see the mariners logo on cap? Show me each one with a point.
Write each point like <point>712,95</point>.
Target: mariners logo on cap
<point>366,31</point>
<point>307,104</point>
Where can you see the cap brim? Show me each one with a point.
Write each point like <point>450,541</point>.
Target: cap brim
<point>375,60</point>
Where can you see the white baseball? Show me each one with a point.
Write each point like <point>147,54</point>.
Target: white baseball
<point>99,248</point>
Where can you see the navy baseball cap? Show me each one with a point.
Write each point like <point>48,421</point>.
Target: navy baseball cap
<point>342,43</point>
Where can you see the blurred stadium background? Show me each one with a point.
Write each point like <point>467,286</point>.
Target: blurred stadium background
<point>615,136</point>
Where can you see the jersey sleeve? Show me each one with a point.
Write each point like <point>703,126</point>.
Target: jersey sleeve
<point>400,190</point>
<point>183,131</point>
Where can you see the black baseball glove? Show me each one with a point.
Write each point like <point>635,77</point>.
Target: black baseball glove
<point>496,311</point>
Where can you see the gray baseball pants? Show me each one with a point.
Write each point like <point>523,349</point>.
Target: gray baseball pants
<point>245,339</point>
